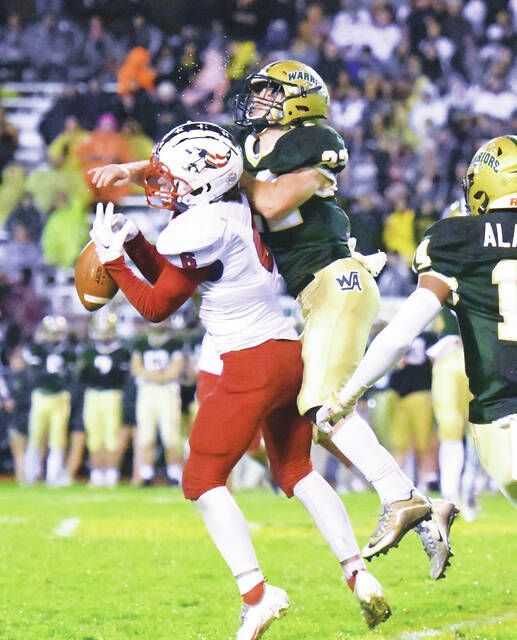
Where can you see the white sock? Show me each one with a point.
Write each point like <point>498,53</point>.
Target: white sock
<point>32,464</point>
<point>451,457</point>
<point>357,441</point>
<point>111,477</point>
<point>329,514</point>
<point>229,531</point>
<point>54,466</point>
<point>146,472</point>
<point>174,472</point>
<point>97,477</point>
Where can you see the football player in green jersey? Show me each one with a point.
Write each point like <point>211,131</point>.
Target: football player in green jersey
<point>156,364</point>
<point>103,369</point>
<point>291,160</point>
<point>470,264</point>
<point>51,364</point>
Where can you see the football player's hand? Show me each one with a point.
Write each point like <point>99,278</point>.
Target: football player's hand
<point>109,175</point>
<point>109,233</point>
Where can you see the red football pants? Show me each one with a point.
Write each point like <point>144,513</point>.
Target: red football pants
<point>256,390</point>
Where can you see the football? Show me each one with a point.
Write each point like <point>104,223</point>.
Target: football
<point>94,285</point>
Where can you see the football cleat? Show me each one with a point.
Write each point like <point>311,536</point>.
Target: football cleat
<point>396,520</point>
<point>368,592</point>
<point>435,536</point>
<point>255,619</point>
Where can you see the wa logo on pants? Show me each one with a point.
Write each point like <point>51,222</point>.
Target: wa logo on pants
<point>349,282</point>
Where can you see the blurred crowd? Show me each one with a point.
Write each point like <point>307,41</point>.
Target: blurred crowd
<point>416,86</point>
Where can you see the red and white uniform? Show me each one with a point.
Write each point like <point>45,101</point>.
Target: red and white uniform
<point>214,249</point>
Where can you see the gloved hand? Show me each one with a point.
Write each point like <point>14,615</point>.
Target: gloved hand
<point>373,262</point>
<point>109,233</point>
<point>338,405</point>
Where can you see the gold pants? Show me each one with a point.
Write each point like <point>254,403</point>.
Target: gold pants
<point>339,307</point>
<point>451,395</point>
<point>48,419</point>
<point>102,416</point>
<point>158,406</point>
<point>412,422</point>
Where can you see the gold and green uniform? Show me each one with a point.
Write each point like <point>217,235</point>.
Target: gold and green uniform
<point>103,372</point>
<point>338,296</point>
<point>477,257</point>
<point>158,404</point>
<point>316,234</point>
<point>50,375</point>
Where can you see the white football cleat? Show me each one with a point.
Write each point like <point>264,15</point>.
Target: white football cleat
<point>255,619</point>
<point>370,595</point>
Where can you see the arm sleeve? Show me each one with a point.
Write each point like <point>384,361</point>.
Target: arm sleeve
<point>172,288</point>
<point>394,340</point>
<point>146,257</point>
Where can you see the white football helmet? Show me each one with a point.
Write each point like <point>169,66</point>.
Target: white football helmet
<point>194,163</point>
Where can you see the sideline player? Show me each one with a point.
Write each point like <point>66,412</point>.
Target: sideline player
<point>470,264</point>
<point>210,246</point>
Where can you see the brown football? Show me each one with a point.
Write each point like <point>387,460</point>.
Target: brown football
<point>94,285</point>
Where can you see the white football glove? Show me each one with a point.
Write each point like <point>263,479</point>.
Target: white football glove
<point>338,405</point>
<point>109,233</point>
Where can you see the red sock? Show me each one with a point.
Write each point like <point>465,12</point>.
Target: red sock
<point>254,596</point>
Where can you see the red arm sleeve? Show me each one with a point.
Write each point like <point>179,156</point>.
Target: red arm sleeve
<point>148,261</point>
<point>155,303</point>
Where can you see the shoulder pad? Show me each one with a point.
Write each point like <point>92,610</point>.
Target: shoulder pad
<point>310,146</point>
<point>196,229</point>
<point>194,239</point>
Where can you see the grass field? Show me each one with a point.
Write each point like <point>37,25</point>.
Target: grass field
<point>83,564</point>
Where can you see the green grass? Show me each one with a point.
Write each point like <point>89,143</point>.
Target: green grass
<point>140,565</point>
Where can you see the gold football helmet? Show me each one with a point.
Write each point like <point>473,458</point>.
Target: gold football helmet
<point>491,180</point>
<point>103,327</point>
<point>283,92</point>
<point>52,329</point>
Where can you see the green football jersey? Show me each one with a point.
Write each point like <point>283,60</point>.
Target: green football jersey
<point>316,234</point>
<point>51,366</point>
<point>104,366</point>
<point>157,357</point>
<point>478,258</point>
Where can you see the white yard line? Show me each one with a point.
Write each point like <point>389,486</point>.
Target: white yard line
<point>12,520</point>
<point>66,528</point>
<point>435,633</point>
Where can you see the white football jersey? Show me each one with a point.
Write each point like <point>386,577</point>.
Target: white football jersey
<point>240,309</point>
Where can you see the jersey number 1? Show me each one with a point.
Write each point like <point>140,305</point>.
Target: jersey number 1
<point>504,276</point>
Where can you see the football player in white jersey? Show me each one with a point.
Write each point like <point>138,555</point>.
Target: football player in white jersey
<point>210,246</point>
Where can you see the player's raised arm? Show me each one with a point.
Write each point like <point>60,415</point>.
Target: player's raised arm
<point>118,175</point>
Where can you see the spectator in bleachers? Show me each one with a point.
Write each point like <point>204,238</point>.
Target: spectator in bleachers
<point>170,110</point>
<point>24,306</point>
<point>65,232</point>
<point>14,58</point>
<point>205,94</point>
<point>187,64</point>
<point>19,252</point>
<point>136,72</point>
<point>97,56</point>
<point>8,140</point>
<point>143,34</point>
<point>139,144</point>
<point>27,215</point>
<point>69,103</point>
<point>396,279</point>
<point>104,145</point>
<point>62,152</point>
<point>399,235</point>
<point>51,44</point>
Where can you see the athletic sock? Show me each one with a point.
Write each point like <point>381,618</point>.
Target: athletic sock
<point>329,515</point>
<point>32,464</point>
<point>111,477</point>
<point>54,466</point>
<point>357,441</point>
<point>451,457</point>
<point>146,472</point>
<point>174,472</point>
<point>229,531</point>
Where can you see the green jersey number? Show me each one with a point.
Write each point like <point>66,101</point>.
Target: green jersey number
<point>504,275</point>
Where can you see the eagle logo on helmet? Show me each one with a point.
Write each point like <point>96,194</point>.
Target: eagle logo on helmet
<point>206,160</point>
